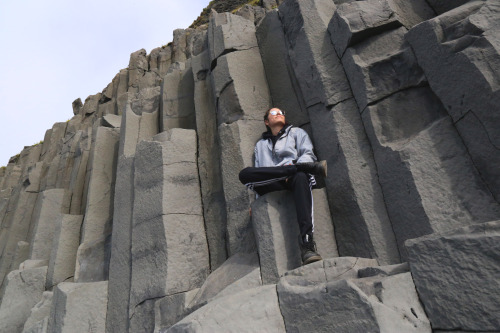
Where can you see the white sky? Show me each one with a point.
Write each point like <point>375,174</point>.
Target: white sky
<point>55,51</point>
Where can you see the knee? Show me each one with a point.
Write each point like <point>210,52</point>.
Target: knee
<point>244,175</point>
<point>301,177</point>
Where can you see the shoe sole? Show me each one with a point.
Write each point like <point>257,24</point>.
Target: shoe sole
<point>324,168</point>
<point>312,259</point>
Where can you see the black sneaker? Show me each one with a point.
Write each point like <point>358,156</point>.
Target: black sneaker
<point>308,252</point>
<point>315,168</point>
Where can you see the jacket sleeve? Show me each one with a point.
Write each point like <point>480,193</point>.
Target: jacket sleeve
<point>304,147</point>
<point>256,157</point>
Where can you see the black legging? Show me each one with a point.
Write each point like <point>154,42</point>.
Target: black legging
<point>268,179</point>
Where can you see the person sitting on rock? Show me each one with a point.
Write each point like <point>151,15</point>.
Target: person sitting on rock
<point>284,160</point>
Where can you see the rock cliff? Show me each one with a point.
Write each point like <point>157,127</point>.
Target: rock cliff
<point>130,216</point>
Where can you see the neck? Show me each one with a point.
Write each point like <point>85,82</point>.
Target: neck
<point>276,129</point>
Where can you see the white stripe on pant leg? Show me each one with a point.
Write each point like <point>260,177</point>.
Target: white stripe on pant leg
<point>265,182</point>
<point>312,207</point>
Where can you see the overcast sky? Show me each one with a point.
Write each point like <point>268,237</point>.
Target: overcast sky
<point>55,51</point>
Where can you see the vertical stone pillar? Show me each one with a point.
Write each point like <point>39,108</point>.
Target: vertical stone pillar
<point>50,206</point>
<point>140,121</point>
<point>214,209</point>
<point>64,248</point>
<point>97,223</point>
<point>241,97</point>
<point>356,201</point>
<point>177,105</point>
<point>169,248</point>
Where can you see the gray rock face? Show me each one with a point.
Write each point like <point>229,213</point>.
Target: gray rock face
<point>121,241</point>
<point>177,99</point>
<point>227,32</point>
<point>276,230</point>
<point>171,309</point>
<point>461,46</point>
<point>254,310</point>
<point>240,86</point>
<point>64,249</point>
<point>99,213</point>
<point>441,6</point>
<point>423,139</point>
<point>167,225</point>
<point>138,65</point>
<point>380,66</point>
<point>407,118</point>
<point>23,290</point>
<point>237,145</point>
<point>79,307</point>
<point>212,195</point>
<point>283,85</point>
<point>355,21</point>
<point>456,275</point>
<point>233,269</point>
<point>352,305</point>
<point>49,209</point>
<point>39,318</point>
<point>318,69</point>
<point>356,201</point>
<point>92,260</point>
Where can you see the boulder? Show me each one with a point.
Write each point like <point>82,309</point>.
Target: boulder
<point>78,307</point>
<point>276,230</point>
<point>24,288</point>
<point>459,52</point>
<point>253,310</point>
<point>77,106</point>
<point>456,275</point>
